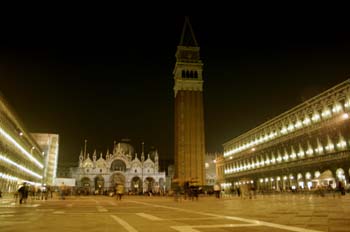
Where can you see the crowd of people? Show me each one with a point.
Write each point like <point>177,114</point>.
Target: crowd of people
<point>187,190</point>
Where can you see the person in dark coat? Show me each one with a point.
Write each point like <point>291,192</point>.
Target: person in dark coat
<point>22,193</point>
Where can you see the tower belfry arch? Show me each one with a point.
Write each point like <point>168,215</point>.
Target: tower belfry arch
<point>189,115</point>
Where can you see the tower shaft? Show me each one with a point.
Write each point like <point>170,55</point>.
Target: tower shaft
<point>189,113</point>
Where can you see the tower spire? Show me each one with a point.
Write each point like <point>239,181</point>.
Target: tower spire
<point>143,152</point>
<point>187,36</point>
<point>85,149</point>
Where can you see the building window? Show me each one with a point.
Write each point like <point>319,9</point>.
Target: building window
<point>100,170</point>
<point>135,170</point>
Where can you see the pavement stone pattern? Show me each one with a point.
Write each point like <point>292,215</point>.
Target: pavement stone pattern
<point>282,212</point>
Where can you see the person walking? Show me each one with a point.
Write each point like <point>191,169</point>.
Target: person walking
<point>21,192</point>
<point>62,190</point>
<point>120,191</point>
<point>217,190</point>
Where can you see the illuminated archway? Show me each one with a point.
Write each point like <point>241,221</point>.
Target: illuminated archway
<point>85,182</point>
<point>117,178</point>
<point>99,183</point>
<point>149,184</point>
<point>136,185</point>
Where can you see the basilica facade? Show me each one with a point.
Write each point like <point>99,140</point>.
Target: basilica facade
<point>98,174</point>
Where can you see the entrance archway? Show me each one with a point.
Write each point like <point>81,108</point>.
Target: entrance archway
<point>117,178</point>
<point>99,184</point>
<point>136,185</point>
<point>149,184</point>
<point>85,185</point>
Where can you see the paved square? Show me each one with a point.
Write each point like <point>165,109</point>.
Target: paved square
<point>303,213</point>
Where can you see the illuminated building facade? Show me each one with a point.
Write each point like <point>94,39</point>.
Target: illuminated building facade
<point>210,165</point>
<point>304,148</point>
<point>122,166</point>
<point>21,158</point>
<point>189,116</point>
<point>49,144</point>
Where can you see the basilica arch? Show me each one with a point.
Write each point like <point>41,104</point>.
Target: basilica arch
<point>85,182</point>
<point>117,178</point>
<point>99,183</point>
<point>136,185</point>
<point>85,185</point>
<point>149,184</point>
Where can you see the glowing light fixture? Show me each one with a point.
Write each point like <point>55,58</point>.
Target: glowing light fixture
<point>319,149</point>
<point>308,175</point>
<point>317,174</point>
<point>347,102</point>
<point>306,121</point>
<point>298,124</point>
<point>341,144</point>
<point>273,160</point>
<point>337,108</point>
<point>284,130</point>
<point>315,117</point>
<point>309,151</point>
<point>279,159</point>
<point>330,146</point>
<point>326,113</point>
<point>290,127</point>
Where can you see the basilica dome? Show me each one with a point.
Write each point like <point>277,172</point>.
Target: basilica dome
<point>126,148</point>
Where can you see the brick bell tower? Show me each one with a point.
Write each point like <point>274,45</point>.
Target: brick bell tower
<point>189,115</point>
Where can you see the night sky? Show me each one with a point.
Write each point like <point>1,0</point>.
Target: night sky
<point>109,80</point>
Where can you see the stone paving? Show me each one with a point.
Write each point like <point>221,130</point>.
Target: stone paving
<point>288,212</point>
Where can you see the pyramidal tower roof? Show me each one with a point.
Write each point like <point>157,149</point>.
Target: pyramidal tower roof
<point>187,36</point>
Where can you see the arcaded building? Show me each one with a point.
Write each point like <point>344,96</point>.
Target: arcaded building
<point>304,148</point>
<point>21,158</point>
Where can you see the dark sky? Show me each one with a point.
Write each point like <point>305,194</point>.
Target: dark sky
<point>109,80</point>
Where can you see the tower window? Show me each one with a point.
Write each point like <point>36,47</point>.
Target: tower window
<point>183,74</point>
<point>195,74</point>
